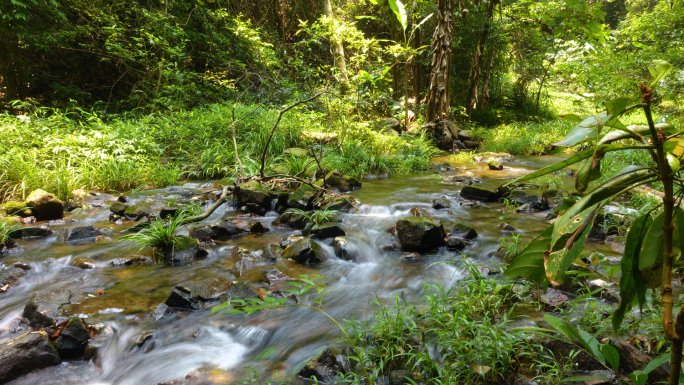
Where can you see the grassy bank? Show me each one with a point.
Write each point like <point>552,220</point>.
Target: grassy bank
<point>61,152</point>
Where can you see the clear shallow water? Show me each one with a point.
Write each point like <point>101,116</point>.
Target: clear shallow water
<point>269,341</point>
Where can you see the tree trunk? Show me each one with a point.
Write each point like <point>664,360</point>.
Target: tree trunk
<point>9,68</point>
<point>415,68</point>
<point>438,90</point>
<point>338,48</point>
<point>474,77</point>
<point>487,80</point>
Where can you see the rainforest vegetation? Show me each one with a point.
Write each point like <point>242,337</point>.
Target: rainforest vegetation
<point>565,112</point>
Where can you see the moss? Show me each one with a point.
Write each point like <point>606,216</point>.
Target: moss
<point>423,221</point>
<point>14,207</point>
<point>303,193</point>
<point>183,243</point>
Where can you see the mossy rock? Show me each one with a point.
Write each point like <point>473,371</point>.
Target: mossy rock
<point>16,208</point>
<point>304,251</point>
<point>184,250</point>
<point>420,234</point>
<point>495,165</point>
<point>464,231</point>
<point>479,194</point>
<point>302,197</point>
<point>139,210</point>
<point>255,192</point>
<point>46,205</point>
<point>118,208</point>
<point>342,183</point>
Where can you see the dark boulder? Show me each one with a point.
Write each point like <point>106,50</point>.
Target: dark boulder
<point>182,298</point>
<point>304,251</point>
<point>325,231</point>
<point>254,208</point>
<point>45,308</point>
<point>345,248</point>
<point>632,359</point>
<point>420,234</point>
<point>255,192</point>
<point>81,234</point>
<point>184,250</point>
<point>45,205</point>
<point>118,208</point>
<point>291,219</point>
<point>32,232</point>
<point>169,212</point>
<point>419,212</point>
<point>276,276</point>
<point>137,211</point>
<point>495,165</point>
<point>342,204</point>
<point>534,202</point>
<point>239,291</point>
<point>324,369</point>
<point>128,261</point>
<point>215,230</point>
<point>73,339</point>
<point>461,230</point>
<point>506,227</point>
<point>441,203</point>
<point>254,227</point>
<point>272,252</point>
<point>302,198</point>
<point>479,194</point>
<point>341,183</point>
<point>453,243</point>
<point>26,353</point>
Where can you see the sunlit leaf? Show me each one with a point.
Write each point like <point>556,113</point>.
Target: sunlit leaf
<point>530,262</point>
<point>400,12</point>
<point>659,69</point>
<point>651,254</point>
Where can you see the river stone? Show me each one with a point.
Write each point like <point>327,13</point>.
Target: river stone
<point>185,250</point>
<point>46,307</point>
<point>302,198</point>
<point>45,205</point>
<point>454,243</point>
<point>182,298</point>
<point>118,208</point>
<point>461,230</point>
<point>287,241</point>
<point>345,248</point>
<point>272,252</point>
<point>32,232</point>
<point>73,339</point>
<point>419,212</point>
<point>83,263</point>
<point>12,208</point>
<point>325,368</point>
<point>291,219</point>
<point>440,203</point>
<point>342,204</point>
<point>420,234</point>
<point>215,230</point>
<point>81,233</point>
<point>304,251</point>
<point>495,165</point>
<point>239,290</point>
<point>479,193</point>
<point>139,210</point>
<point>255,192</point>
<point>10,275</point>
<point>254,227</point>
<point>325,231</point>
<point>248,261</point>
<point>521,198</point>
<point>506,227</point>
<point>26,353</point>
<point>161,311</point>
<point>341,183</point>
<point>169,212</point>
<point>254,208</point>
<point>276,276</point>
<point>129,261</point>
<point>632,359</point>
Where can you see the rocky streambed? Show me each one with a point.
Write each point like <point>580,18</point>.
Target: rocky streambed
<point>79,306</point>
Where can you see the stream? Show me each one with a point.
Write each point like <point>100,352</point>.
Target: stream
<point>185,342</point>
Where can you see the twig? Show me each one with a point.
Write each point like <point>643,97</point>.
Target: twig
<point>227,191</point>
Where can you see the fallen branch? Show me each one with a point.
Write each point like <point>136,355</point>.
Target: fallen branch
<point>223,198</point>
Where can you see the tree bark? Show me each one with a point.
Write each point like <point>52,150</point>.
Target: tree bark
<point>484,97</point>
<point>338,48</point>
<point>475,71</point>
<point>415,68</point>
<point>438,90</point>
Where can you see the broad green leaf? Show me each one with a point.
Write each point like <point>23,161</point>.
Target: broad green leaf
<point>569,246</point>
<point>589,170</point>
<point>611,354</point>
<point>656,363</point>
<point>557,324</point>
<point>631,282</point>
<point>530,262</point>
<point>675,146</point>
<point>570,118</point>
<point>589,129</point>
<point>400,12</point>
<point>586,379</point>
<point>651,254</point>
<point>659,70</point>
<point>592,346</point>
<point>673,161</point>
<point>572,160</point>
<point>638,377</point>
<point>617,106</point>
<point>634,130</point>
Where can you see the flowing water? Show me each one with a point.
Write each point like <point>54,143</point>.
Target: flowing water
<point>269,341</point>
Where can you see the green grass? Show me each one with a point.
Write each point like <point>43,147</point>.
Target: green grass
<point>522,138</point>
<point>7,226</point>
<point>159,235</point>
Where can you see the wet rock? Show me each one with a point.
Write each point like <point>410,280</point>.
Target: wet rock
<point>81,233</point>
<point>596,234</point>
<point>506,227</point>
<point>215,230</point>
<point>441,203</point>
<point>32,232</point>
<point>471,144</point>
<point>341,183</point>
<point>272,252</point>
<point>291,297</point>
<point>276,276</point>
<point>169,212</point>
<point>411,258</point>
<point>342,204</point>
<point>205,290</point>
<point>45,308</point>
<point>182,298</point>
<point>419,212</point>
<point>291,219</point>
<point>420,234</point>
<point>10,275</point>
<point>454,243</point>
<point>399,377</point>
<point>248,261</point>
<point>495,165</point>
<point>254,208</point>
<point>553,299</point>
<point>461,230</point>
<point>12,208</point>
<point>83,263</point>
<point>533,202</point>
<point>29,220</point>
<point>239,290</point>
<point>479,194</point>
<point>254,227</point>
<point>45,205</point>
<point>304,251</point>
<point>471,203</point>
<point>325,231</point>
<point>302,198</point>
<point>255,192</point>
<point>632,359</point>
<point>185,250</point>
<point>345,248</point>
<point>24,354</point>
<point>324,368</point>
<point>390,124</point>
<point>161,311</point>
<point>129,261</point>
<point>137,211</point>
<point>118,208</point>
<point>287,241</point>
<point>73,339</point>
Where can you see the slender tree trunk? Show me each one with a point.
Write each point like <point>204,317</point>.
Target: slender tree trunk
<point>415,68</point>
<point>338,48</point>
<point>474,77</point>
<point>438,90</point>
<point>484,97</point>
<point>541,83</point>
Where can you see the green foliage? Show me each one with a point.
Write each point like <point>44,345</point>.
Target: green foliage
<point>521,138</point>
<point>316,218</point>
<point>7,227</point>
<point>159,235</point>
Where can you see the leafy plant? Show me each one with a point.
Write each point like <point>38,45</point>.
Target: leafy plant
<point>7,227</point>
<point>160,236</point>
<point>653,245</point>
<point>317,218</point>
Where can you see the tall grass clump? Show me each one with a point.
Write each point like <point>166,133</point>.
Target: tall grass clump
<point>522,138</point>
<point>160,236</point>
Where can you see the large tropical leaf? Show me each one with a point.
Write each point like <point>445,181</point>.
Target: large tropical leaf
<point>569,246</point>
<point>659,69</point>
<point>530,262</point>
<point>631,282</point>
<point>634,130</point>
<point>651,254</point>
<point>590,128</point>
<point>400,12</point>
<point>580,156</point>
